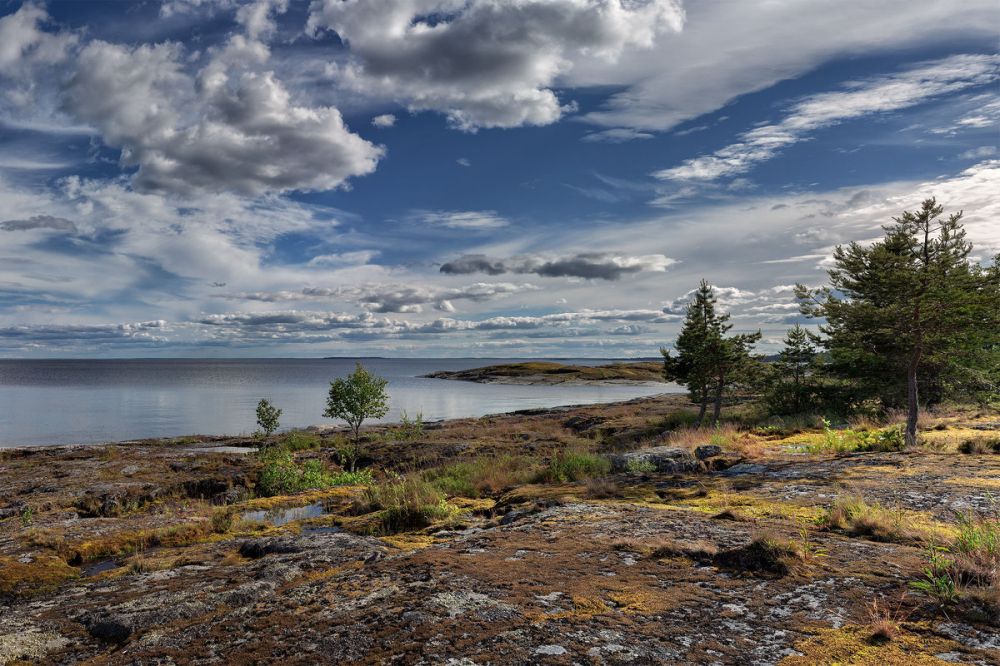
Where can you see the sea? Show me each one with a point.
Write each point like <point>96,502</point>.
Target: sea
<point>59,401</point>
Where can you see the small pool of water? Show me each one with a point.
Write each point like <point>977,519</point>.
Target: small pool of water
<point>98,567</point>
<point>281,516</point>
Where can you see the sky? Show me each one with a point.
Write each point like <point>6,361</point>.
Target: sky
<point>467,178</point>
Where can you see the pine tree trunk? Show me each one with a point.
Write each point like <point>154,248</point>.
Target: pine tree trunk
<point>911,394</point>
<point>704,406</point>
<point>718,402</point>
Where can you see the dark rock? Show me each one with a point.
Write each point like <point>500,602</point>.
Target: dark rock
<point>374,557</point>
<point>257,548</point>
<point>742,469</point>
<point>706,451</point>
<point>512,516</point>
<point>663,459</point>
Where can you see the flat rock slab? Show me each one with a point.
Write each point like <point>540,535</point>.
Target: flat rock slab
<point>663,459</point>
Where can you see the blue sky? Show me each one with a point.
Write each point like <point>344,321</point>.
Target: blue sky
<point>466,177</point>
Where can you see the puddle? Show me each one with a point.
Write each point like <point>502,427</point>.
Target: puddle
<point>321,530</point>
<point>281,516</point>
<point>100,566</point>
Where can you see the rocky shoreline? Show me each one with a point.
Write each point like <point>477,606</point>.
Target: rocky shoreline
<point>539,373</point>
<point>653,563</point>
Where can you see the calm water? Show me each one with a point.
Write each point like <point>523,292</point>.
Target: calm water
<point>82,402</point>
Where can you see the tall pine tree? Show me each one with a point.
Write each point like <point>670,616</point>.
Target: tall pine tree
<point>707,361</point>
<point>910,309</point>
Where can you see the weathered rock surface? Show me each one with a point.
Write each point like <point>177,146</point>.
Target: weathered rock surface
<point>663,459</point>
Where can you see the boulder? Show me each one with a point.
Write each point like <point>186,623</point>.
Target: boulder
<point>662,459</point>
<point>257,548</point>
<point>707,451</point>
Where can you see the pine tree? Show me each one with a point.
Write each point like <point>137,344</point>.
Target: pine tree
<point>912,305</point>
<point>789,389</point>
<point>706,359</point>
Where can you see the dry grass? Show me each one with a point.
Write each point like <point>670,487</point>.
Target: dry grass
<point>859,517</point>
<point>601,488</point>
<point>696,550</point>
<point>884,619</point>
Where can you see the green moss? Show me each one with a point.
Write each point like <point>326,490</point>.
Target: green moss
<point>41,575</point>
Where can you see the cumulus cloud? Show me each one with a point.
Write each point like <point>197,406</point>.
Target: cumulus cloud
<point>383,121</point>
<point>54,333</point>
<point>219,132</point>
<point>469,219</point>
<point>483,63</point>
<point>39,222</point>
<point>24,43</point>
<point>816,112</point>
<point>590,265</point>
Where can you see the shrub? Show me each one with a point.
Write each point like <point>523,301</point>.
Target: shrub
<point>602,489</point>
<point>980,445</point>
<point>281,476</point>
<point>846,440</point>
<point>574,464</point>
<point>483,476</point>
<point>404,504</point>
<point>300,440</point>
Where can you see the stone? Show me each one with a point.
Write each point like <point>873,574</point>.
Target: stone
<point>707,451</point>
<point>257,548</point>
<point>663,459</point>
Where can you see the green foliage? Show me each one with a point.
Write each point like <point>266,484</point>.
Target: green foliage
<point>267,418</point>
<point>846,440</point>
<point>299,440</point>
<point>26,516</point>
<point>977,546</point>
<point>408,430</point>
<point>574,464</point>
<point>788,386</point>
<point>361,396</point>
<point>483,476</point>
<point>910,319</point>
<point>675,420</point>
<point>405,504</point>
<point>937,581</point>
<point>281,476</point>
<point>707,361</point>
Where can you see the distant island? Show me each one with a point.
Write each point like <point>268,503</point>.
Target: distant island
<point>544,372</point>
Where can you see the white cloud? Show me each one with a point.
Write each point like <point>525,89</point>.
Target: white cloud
<point>383,121</point>
<point>618,135</point>
<point>388,297</point>
<point>470,219</point>
<point>816,112</point>
<point>24,44</point>
<point>220,132</point>
<point>484,63</point>
<point>464,162</point>
<point>729,48</point>
<point>978,153</point>
<point>590,265</point>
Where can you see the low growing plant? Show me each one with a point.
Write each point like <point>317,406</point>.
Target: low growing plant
<point>937,581</point>
<point>404,504</point>
<point>574,464</point>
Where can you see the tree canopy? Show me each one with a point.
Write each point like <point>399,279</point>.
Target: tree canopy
<point>707,361</point>
<point>910,312</point>
<point>361,396</point>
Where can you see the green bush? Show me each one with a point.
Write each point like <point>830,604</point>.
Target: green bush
<point>847,440</point>
<point>574,464</point>
<point>482,476</point>
<point>404,504</point>
<point>675,420</point>
<point>299,440</point>
<point>281,476</point>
